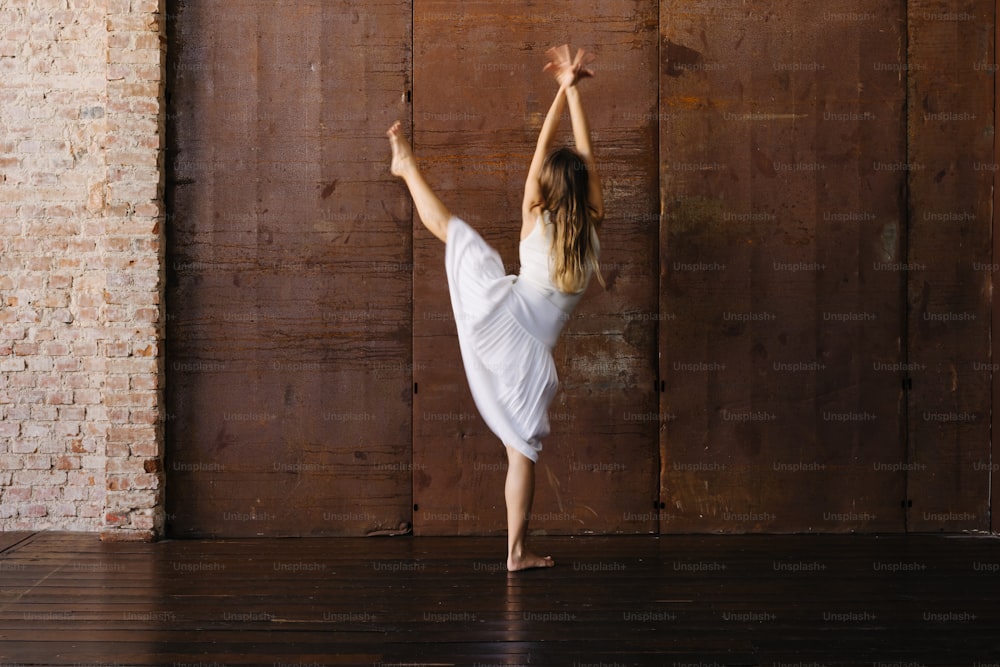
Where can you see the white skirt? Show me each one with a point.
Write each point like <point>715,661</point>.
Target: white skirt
<point>506,342</point>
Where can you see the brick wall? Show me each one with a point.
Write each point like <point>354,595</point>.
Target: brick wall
<point>81,266</point>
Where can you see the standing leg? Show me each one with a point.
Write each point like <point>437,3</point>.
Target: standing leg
<point>432,212</point>
<point>519,491</point>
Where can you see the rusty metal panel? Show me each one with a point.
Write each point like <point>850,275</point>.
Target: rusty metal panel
<point>951,172</point>
<point>479,100</point>
<point>781,280</point>
<point>995,323</point>
<point>288,334</point>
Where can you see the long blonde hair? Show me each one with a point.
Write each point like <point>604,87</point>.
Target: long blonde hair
<point>565,185</point>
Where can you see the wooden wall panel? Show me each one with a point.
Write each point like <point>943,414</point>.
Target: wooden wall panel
<point>479,100</point>
<point>781,277</point>
<point>951,171</point>
<point>288,293</point>
<point>821,234</point>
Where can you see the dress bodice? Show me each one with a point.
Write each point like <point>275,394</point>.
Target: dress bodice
<point>536,265</point>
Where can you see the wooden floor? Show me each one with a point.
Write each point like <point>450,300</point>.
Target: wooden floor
<point>68,599</point>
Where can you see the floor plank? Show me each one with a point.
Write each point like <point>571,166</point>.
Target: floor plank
<point>8,540</point>
<point>69,599</point>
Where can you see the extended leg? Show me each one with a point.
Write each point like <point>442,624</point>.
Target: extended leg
<point>432,212</point>
<point>519,491</point>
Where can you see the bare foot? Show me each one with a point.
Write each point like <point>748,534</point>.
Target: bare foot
<point>403,161</point>
<point>528,560</point>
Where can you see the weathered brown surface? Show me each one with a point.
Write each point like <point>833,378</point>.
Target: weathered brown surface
<point>952,167</point>
<point>995,325</point>
<point>780,275</point>
<point>289,282</point>
<point>479,100</point>
<point>800,286</point>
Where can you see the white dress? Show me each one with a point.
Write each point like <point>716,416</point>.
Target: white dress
<point>507,326</point>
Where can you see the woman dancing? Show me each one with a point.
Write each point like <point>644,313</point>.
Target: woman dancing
<point>508,325</point>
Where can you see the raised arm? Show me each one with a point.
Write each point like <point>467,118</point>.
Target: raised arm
<point>581,137</point>
<point>568,71</point>
<point>532,187</point>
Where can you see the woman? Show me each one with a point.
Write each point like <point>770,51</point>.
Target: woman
<point>508,325</point>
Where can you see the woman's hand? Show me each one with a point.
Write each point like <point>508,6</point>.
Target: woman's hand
<point>567,71</point>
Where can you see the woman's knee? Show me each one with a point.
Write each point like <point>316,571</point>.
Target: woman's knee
<point>516,458</point>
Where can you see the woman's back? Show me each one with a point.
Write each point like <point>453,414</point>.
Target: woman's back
<point>536,265</point>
